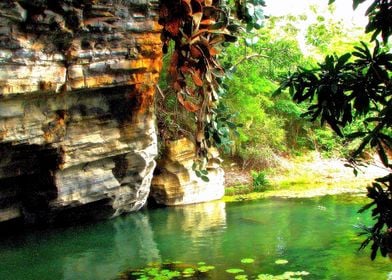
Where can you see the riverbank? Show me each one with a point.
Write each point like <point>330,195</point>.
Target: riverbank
<point>303,177</point>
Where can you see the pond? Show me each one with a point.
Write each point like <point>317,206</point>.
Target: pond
<point>278,235</point>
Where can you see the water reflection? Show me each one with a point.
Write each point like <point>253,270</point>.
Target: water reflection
<point>134,239</point>
<point>313,235</point>
<point>101,251</point>
<point>129,243</point>
<point>197,218</point>
<point>198,231</point>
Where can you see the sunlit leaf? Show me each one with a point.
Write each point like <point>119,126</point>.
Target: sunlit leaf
<point>189,271</point>
<point>206,268</point>
<point>281,261</point>
<point>247,260</point>
<point>196,17</point>
<point>234,270</point>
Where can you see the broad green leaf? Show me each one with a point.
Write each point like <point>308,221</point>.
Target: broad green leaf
<point>281,261</point>
<point>205,178</point>
<point>189,271</point>
<point>247,260</point>
<point>265,277</point>
<point>382,154</point>
<point>342,60</point>
<point>234,270</point>
<point>241,277</point>
<point>205,268</point>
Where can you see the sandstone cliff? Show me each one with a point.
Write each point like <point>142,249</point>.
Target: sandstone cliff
<point>77,125</point>
<point>176,183</point>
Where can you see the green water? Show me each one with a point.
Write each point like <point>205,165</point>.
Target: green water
<point>313,235</point>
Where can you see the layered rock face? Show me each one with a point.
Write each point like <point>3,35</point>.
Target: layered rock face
<point>77,80</point>
<point>175,183</point>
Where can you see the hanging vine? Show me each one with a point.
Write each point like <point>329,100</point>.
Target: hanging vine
<point>199,29</point>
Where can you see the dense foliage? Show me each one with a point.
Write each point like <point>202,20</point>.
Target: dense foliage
<point>255,65</point>
<point>272,125</point>
<point>196,27</point>
<point>352,86</point>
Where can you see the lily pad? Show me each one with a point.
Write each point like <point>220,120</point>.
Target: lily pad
<point>247,260</point>
<point>281,261</point>
<point>299,273</point>
<point>288,274</point>
<point>265,277</point>
<point>241,277</point>
<point>234,270</point>
<point>166,273</point>
<point>206,268</point>
<point>189,271</point>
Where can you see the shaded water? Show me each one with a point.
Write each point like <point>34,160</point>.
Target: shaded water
<point>314,235</point>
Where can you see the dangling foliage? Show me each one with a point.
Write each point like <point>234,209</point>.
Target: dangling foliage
<point>199,29</point>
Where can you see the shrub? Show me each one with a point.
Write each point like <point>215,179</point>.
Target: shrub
<point>259,181</point>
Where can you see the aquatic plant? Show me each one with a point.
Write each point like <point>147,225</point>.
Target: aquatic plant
<point>247,260</point>
<point>281,261</point>
<point>234,270</point>
<point>168,271</point>
<point>288,275</point>
<point>178,270</point>
<point>241,277</point>
<point>205,268</point>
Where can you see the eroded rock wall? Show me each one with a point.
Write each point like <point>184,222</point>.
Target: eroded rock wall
<point>176,183</point>
<point>77,80</point>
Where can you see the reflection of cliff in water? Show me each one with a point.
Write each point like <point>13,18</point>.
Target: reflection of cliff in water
<point>96,251</point>
<point>128,243</point>
<point>102,250</point>
<point>131,241</point>
<point>315,235</point>
<point>199,230</point>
